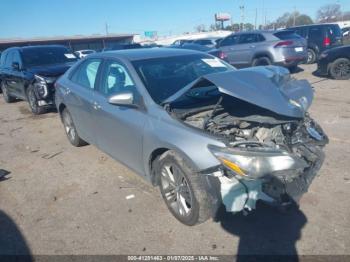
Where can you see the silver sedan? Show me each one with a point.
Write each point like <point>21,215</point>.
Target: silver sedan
<point>207,134</point>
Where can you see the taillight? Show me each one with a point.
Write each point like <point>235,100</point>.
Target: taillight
<point>326,41</point>
<point>284,43</point>
<point>222,55</point>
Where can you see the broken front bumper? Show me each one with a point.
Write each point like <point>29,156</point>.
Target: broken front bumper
<point>238,194</point>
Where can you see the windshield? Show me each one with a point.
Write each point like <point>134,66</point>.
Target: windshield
<point>46,56</point>
<point>163,77</point>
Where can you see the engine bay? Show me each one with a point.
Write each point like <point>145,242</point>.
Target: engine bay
<point>243,125</point>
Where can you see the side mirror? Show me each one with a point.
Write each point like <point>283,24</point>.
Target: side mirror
<point>125,98</point>
<point>15,66</point>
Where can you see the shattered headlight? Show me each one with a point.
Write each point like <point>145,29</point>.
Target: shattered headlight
<point>41,84</point>
<point>257,162</point>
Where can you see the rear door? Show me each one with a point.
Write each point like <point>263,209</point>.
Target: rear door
<point>229,46</point>
<point>79,97</point>
<point>246,47</point>
<point>315,37</point>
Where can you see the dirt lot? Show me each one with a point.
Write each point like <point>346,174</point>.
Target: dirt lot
<point>65,200</point>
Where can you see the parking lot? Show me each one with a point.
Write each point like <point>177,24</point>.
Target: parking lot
<point>65,200</point>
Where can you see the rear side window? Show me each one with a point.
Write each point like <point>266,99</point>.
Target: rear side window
<point>333,31</point>
<point>8,59</point>
<point>248,38</point>
<point>230,40</point>
<point>315,33</point>
<point>286,35</point>
<point>203,42</point>
<point>3,57</point>
<point>16,57</point>
<point>86,73</point>
<point>302,31</point>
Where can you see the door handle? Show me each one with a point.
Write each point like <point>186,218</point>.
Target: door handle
<point>252,46</point>
<point>96,106</point>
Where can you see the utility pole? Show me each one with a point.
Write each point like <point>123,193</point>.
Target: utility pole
<point>242,16</point>
<point>106,27</point>
<point>294,14</point>
<point>256,17</point>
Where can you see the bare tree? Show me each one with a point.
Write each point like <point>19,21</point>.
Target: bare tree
<point>200,28</point>
<point>329,13</point>
<point>346,15</point>
<point>215,27</point>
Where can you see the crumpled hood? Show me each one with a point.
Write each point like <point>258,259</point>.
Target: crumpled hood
<point>269,87</point>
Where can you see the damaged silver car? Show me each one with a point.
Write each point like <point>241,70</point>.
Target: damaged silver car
<point>207,134</point>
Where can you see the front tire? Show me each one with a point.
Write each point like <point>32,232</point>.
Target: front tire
<point>7,97</point>
<point>71,130</point>
<point>33,102</point>
<point>182,189</point>
<point>340,69</point>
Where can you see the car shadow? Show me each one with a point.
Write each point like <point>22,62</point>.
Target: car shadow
<point>296,70</point>
<point>13,246</point>
<point>3,174</point>
<point>316,73</point>
<point>266,233</point>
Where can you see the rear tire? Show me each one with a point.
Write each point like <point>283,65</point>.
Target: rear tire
<point>182,190</point>
<point>311,56</point>
<point>261,61</point>
<point>33,102</point>
<point>71,130</point>
<point>8,98</point>
<point>340,69</point>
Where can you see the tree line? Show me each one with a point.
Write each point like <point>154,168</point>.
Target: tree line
<point>325,14</point>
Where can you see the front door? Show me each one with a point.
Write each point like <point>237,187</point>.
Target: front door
<point>119,129</point>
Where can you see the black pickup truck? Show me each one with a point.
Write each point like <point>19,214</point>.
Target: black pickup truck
<point>29,73</point>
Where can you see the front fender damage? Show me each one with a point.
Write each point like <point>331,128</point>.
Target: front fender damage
<point>239,194</point>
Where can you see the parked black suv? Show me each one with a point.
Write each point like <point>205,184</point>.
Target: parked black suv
<point>319,38</point>
<point>29,73</point>
<point>335,62</point>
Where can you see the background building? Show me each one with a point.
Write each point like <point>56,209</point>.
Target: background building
<point>79,42</point>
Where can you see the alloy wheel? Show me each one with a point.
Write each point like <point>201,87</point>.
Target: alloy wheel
<point>310,56</point>
<point>5,92</point>
<point>176,190</point>
<point>69,127</point>
<point>32,100</point>
<point>342,69</point>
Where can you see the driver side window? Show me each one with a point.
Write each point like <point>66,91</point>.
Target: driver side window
<point>116,79</point>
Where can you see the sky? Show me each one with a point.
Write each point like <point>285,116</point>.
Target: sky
<point>44,18</point>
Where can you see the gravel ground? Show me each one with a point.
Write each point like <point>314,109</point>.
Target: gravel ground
<point>65,200</point>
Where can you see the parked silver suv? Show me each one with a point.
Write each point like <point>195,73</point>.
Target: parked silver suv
<point>255,48</point>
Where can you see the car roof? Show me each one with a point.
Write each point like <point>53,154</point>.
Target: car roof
<point>34,47</point>
<point>325,24</point>
<point>207,38</point>
<point>146,53</point>
<point>256,32</point>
